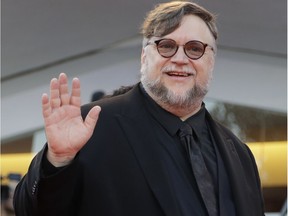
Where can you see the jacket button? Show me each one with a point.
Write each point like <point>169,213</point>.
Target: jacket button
<point>34,187</point>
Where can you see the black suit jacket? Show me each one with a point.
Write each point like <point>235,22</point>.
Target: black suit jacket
<point>123,170</point>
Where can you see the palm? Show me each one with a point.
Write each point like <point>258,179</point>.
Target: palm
<point>66,131</point>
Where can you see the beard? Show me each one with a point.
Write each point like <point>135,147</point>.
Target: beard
<point>164,95</point>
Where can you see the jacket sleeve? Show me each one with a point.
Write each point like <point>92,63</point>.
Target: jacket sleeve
<point>25,201</point>
<point>37,194</point>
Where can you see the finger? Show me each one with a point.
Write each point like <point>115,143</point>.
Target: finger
<point>92,118</point>
<point>55,101</point>
<point>75,94</point>
<point>46,109</point>
<point>63,89</point>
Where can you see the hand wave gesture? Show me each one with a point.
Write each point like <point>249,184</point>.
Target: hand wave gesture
<point>66,131</point>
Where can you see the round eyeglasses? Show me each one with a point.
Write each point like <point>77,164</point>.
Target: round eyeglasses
<point>193,49</point>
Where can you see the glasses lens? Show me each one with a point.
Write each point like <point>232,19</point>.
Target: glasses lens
<point>167,48</point>
<point>194,49</point>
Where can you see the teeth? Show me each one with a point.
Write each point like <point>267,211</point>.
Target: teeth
<point>178,74</point>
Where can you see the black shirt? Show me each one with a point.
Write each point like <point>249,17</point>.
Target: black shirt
<point>172,124</point>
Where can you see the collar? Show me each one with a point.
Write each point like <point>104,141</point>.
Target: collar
<point>170,122</point>
<point>197,121</point>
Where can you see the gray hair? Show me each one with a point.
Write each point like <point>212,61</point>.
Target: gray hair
<point>166,17</point>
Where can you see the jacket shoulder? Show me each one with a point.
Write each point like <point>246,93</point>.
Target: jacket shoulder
<point>119,103</point>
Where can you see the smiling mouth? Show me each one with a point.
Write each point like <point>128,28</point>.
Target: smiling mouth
<point>179,74</point>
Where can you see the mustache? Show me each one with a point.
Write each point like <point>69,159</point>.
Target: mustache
<point>174,68</point>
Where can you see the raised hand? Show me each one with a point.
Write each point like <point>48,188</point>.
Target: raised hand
<point>66,131</point>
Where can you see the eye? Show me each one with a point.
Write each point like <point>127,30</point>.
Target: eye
<point>194,47</point>
<point>166,44</point>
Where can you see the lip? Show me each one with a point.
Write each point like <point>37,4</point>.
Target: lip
<point>179,76</point>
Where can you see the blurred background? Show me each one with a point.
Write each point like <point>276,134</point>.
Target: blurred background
<point>99,42</point>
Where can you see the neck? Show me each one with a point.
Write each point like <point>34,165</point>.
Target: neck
<point>182,111</point>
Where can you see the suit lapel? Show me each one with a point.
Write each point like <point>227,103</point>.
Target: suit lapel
<point>134,120</point>
<point>148,152</point>
<point>235,170</point>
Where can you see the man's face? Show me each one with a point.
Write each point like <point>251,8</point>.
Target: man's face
<point>179,80</point>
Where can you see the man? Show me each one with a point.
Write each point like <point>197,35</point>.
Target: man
<point>138,160</point>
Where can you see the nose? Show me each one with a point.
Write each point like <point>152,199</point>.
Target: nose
<point>180,57</point>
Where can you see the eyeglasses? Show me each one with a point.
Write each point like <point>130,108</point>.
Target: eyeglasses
<point>193,49</point>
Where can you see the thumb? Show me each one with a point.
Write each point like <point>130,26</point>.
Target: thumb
<point>92,118</point>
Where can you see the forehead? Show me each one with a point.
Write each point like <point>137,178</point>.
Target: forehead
<point>192,27</point>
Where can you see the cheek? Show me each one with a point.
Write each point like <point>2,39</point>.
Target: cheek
<point>205,67</point>
<point>151,66</point>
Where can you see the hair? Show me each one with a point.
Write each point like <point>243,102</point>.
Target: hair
<point>120,91</point>
<point>166,18</point>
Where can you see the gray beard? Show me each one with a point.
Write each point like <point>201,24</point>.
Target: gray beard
<point>167,97</point>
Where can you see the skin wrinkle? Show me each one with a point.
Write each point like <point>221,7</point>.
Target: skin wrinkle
<point>180,97</point>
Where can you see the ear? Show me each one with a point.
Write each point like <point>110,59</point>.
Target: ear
<point>212,63</point>
<point>143,56</point>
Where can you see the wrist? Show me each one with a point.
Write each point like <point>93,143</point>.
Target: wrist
<point>59,160</point>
